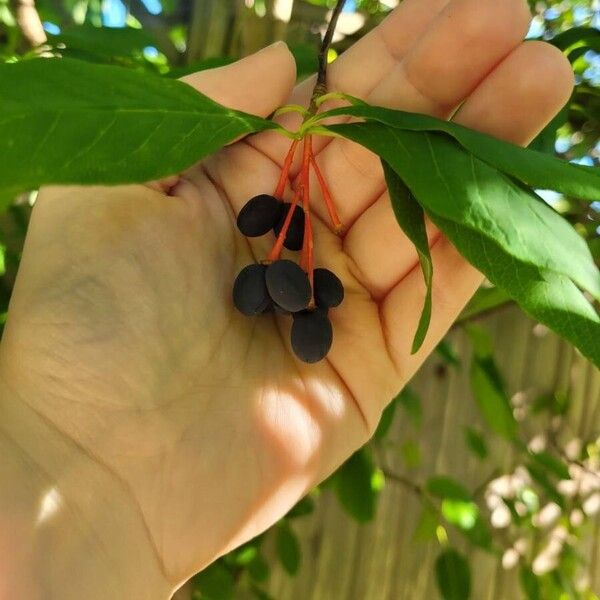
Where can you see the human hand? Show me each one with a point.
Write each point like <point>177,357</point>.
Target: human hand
<point>122,343</point>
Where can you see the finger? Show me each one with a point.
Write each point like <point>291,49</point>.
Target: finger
<point>257,84</point>
<point>513,103</point>
<point>530,87</point>
<point>361,68</point>
<point>460,48</point>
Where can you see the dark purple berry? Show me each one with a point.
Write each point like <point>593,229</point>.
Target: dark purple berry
<point>288,285</point>
<point>295,232</point>
<point>250,294</point>
<point>259,215</point>
<point>312,335</point>
<point>328,289</point>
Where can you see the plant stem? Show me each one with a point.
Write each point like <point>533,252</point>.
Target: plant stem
<point>321,85</point>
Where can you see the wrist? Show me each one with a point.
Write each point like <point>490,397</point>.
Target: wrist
<point>69,528</point>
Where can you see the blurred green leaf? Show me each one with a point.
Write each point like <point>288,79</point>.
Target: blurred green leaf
<point>410,401</point>
<point>427,524</point>
<point>353,485</point>
<point>303,507</point>
<point>476,442</point>
<point>214,583</point>
<point>288,548</point>
<point>540,475</point>
<point>446,487</point>
<point>488,387</point>
<point>552,464</point>
<point>411,453</point>
<point>453,575</point>
<point>387,418</point>
<point>529,583</point>
<point>447,352</point>
<point>460,513</point>
<point>259,569</point>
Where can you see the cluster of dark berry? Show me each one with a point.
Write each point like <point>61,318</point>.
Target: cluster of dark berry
<point>283,286</point>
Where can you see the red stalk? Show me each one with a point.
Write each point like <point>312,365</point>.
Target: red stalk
<point>285,171</point>
<point>335,220</point>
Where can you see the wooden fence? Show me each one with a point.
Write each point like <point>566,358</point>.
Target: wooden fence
<point>343,560</point>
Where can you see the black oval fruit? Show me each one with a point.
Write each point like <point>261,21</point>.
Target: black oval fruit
<point>312,336</point>
<point>259,215</point>
<point>328,289</point>
<point>288,285</point>
<point>295,232</point>
<point>250,294</point>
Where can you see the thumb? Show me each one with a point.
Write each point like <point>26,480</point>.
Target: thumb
<point>257,84</point>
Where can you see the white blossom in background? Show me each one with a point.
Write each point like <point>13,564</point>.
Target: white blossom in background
<point>573,449</point>
<point>510,559</point>
<point>522,546</point>
<point>500,517</point>
<point>591,506</point>
<point>568,488</point>
<point>576,518</point>
<point>537,443</point>
<point>547,515</point>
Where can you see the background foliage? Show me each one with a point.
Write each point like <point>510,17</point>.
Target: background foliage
<point>532,513</point>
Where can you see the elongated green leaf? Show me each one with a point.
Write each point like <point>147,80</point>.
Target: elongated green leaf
<point>548,297</point>
<point>214,583</point>
<point>411,218</point>
<point>288,548</point>
<point>386,420</point>
<point>536,169</point>
<point>354,488</point>
<point>492,399</point>
<point>453,575</point>
<point>447,488</point>
<point>455,185</point>
<point>575,34</point>
<point>476,443</point>
<point>126,126</point>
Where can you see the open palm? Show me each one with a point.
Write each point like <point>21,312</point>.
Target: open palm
<point>123,308</point>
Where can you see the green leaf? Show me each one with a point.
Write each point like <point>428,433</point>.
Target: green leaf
<point>411,218</point>
<point>410,401</point>
<point>303,507</point>
<point>427,524</point>
<point>540,476</point>
<point>453,575</point>
<point>536,169</point>
<point>259,569</point>
<point>288,548</point>
<point>69,122</point>
<point>454,185</point>
<point>551,464</point>
<point>548,297</point>
<point>476,443</point>
<point>447,352</point>
<point>353,485</point>
<point>2,261</point>
<point>460,513</point>
<point>387,418</point>
<point>446,487</point>
<point>491,398</point>
<point>214,583</point>
<point>411,453</point>
<point>573,36</point>
<point>530,584</point>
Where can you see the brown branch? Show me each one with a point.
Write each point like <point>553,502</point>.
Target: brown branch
<point>321,85</point>
<point>29,22</point>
